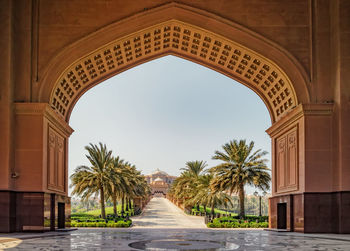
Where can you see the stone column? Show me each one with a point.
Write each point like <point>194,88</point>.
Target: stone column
<point>7,216</point>
<point>40,170</point>
<point>303,168</point>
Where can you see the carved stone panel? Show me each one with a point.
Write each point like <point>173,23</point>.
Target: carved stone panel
<point>56,163</point>
<point>292,159</point>
<point>51,159</point>
<point>286,176</point>
<point>281,163</point>
<point>60,162</point>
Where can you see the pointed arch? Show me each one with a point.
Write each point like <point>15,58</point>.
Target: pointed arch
<point>175,29</point>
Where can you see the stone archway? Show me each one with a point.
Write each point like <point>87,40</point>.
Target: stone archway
<point>183,31</point>
<point>204,38</point>
<point>174,37</point>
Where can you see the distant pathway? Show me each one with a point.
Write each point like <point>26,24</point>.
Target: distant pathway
<point>161,213</point>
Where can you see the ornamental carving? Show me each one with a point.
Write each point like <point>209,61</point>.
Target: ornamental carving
<point>292,139</point>
<point>287,162</point>
<point>188,41</point>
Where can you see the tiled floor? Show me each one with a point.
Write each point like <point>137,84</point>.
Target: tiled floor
<point>152,232</point>
<point>180,239</point>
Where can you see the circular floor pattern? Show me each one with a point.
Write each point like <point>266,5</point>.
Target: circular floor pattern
<point>181,244</point>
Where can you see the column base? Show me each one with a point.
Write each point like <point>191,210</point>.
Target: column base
<point>31,211</point>
<point>311,212</point>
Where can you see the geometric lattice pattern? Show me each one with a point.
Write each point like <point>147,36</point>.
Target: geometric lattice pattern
<point>194,43</point>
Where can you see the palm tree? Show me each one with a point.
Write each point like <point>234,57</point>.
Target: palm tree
<point>140,187</point>
<point>192,173</point>
<point>184,187</point>
<point>195,168</point>
<point>241,166</point>
<point>89,180</point>
<point>130,181</point>
<point>203,189</point>
<point>116,184</point>
<point>206,196</point>
<point>133,184</point>
<point>218,198</point>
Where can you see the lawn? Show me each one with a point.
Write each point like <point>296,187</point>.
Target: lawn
<point>109,210</point>
<point>97,212</point>
<point>91,218</point>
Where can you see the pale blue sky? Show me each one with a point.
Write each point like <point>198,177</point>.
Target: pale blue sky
<point>166,112</point>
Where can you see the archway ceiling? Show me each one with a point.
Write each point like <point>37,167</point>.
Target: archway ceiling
<point>177,38</point>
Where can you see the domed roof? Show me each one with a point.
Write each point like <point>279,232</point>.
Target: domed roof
<point>157,171</point>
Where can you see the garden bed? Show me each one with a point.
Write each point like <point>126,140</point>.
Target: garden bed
<point>234,222</point>
<point>120,223</point>
<point>86,220</point>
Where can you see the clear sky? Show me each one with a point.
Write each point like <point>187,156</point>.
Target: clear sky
<point>166,112</point>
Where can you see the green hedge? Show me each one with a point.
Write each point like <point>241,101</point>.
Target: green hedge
<point>95,218</point>
<point>102,224</point>
<point>248,218</point>
<point>232,222</point>
<point>239,225</point>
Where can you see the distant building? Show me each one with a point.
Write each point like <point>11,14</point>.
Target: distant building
<point>159,182</point>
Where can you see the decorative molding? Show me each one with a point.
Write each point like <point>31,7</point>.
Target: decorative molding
<point>325,109</point>
<point>286,122</point>
<point>296,113</point>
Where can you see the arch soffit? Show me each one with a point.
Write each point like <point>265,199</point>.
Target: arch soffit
<point>171,30</point>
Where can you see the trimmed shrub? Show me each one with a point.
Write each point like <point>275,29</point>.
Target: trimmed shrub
<point>244,225</point>
<point>123,224</point>
<point>230,222</point>
<point>81,224</point>
<point>101,224</point>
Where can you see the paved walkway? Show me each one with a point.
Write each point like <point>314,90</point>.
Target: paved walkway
<point>161,213</point>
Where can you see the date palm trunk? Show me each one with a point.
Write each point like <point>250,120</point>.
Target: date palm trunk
<point>127,204</point>
<point>102,201</point>
<point>241,201</point>
<point>130,206</point>
<point>115,205</point>
<point>123,205</point>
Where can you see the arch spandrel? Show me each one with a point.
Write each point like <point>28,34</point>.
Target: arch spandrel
<point>187,41</point>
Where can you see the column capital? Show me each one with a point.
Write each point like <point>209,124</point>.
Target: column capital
<point>45,110</point>
<point>325,109</point>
